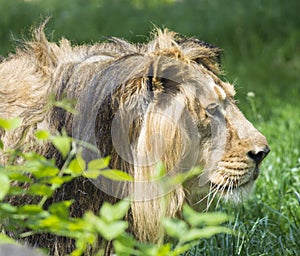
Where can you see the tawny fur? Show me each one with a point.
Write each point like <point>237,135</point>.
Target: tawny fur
<point>41,68</point>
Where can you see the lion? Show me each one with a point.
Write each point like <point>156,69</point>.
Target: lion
<point>141,104</point>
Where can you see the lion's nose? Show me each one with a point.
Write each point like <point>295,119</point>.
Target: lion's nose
<point>259,155</point>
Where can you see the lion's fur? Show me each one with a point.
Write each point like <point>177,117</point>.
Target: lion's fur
<point>41,68</point>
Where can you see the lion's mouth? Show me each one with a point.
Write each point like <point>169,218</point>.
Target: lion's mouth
<point>232,184</point>
<point>222,187</point>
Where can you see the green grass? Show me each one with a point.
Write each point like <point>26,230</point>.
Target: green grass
<point>261,54</point>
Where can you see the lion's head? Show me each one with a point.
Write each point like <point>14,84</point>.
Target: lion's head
<point>142,104</point>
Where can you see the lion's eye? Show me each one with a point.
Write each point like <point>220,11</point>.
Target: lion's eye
<point>212,108</point>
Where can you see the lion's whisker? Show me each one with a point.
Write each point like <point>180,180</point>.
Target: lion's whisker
<point>209,202</point>
<point>221,192</point>
<point>211,191</point>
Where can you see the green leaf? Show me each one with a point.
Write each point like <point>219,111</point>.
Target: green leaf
<point>123,249</point>
<point>31,212</point>
<point>80,225</point>
<point>76,166</point>
<point>42,134</point>
<point>16,191</point>
<point>46,171</point>
<point>51,222</point>
<point>42,168</point>
<point>196,219</point>
<point>112,230</point>
<point>30,209</point>
<point>4,185</point>
<point>110,213</point>
<point>82,243</point>
<point>206,232</point>
<point>195,171</point>
<point>182,249</point>
<point>61,209</point>
<point>149,249</point>
<point>107,230</point>
<point>33,156</point>
<point>101,163</point>
<point>8,208</point>
<point>1,144</point>
<point>174,227</point>
<point>57,181</point>
<point>160,171</point>
<point>181,177</point>
<point>116,175</point>
<point>164,250</point>
<point>65,103</point>
<point>155,250</point>
<point>125,245</point>
<point>10,124</point>
<point>18,176</point>
<point>62,144</point>
<point>92,173</point>
<point>40,190</point>
<point>175,180</point>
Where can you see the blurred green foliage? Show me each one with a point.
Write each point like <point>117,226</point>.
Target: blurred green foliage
<point>42,178</point>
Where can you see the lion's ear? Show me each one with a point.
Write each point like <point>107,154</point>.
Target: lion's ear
<point>161,85</point>
<point>201,52</point>
<point>149,84</point>
<point>163,77</point>
<point>45,52</point>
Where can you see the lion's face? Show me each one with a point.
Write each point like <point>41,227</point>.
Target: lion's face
<point>231,149</point>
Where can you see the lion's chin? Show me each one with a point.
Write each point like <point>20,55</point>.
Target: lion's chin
<point>231,190</point>
<point>239,194</point>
